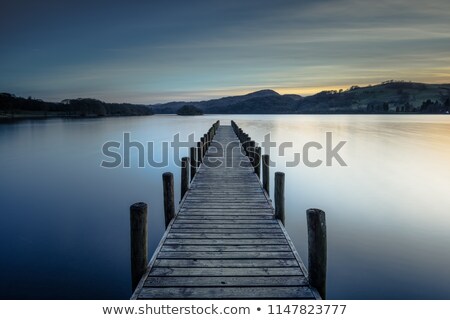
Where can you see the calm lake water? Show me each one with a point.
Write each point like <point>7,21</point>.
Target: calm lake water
<point>64,220</point>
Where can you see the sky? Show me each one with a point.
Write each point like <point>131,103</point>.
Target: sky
<point>158,51</point>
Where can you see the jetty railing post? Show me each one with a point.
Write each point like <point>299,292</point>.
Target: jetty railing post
<point>169,203</point>
<point>203,145</point>
<point>251,152</point>
<point>246,143</point>
<point>193,162</point>
<point>265,172</point>
<point>139,237</point>
<point>258,162</point>
<point>184,176</point>
<point>199,154</point>
<point>279,196</point>
<point>317,250</point>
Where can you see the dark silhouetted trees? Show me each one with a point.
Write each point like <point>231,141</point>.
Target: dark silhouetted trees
<point>11,105</point>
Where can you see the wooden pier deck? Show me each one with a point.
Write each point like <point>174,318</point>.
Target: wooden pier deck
<point>225,243</point>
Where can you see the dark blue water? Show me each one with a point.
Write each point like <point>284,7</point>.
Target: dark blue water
<point>64,220</point>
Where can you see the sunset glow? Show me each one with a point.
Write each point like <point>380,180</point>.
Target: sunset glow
<point>156,52</point>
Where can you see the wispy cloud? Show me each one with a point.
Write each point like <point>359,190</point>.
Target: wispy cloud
<point>187,51</point>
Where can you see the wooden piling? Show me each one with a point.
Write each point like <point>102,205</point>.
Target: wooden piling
<point>199,154</point>
<point>139,240</point>
<point>265,172</point>
<point>193,151</point>
<point>225,243</point>
<point>258,162</point>
<point>279,196</point>
<point>184,176</point>
<point>251,152</point>
<point>208,138</point>
<point>203,144</point>
<point>169,203</point>
<point>317,250</point>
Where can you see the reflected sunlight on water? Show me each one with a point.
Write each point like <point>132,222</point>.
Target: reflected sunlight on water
<point>387,212</point>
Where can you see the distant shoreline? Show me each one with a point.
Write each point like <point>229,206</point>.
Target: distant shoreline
<point>23,117</point>
<point>26,117</point>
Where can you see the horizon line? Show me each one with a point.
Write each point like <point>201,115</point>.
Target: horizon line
<point>202,95</point>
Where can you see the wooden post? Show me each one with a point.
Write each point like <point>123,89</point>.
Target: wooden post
<point>139,240</point>
<point>199,154</point>
<point>169,203</point>
<point>244,143</point>
<point>279,196</point>
<point>317,250</point>
<point>266,174</point>
<point>203,144</point>
<point>251,152</point>
<point>193,162</point>
<point>246,140</point>
<point>184,176</point>
<point>258,162</point>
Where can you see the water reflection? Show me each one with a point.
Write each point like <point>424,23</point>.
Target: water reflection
<point>64,220</point>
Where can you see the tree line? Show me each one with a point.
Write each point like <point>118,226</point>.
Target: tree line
<point>12,106</point>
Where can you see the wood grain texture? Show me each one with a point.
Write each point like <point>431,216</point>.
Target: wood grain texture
<point>225,242</point>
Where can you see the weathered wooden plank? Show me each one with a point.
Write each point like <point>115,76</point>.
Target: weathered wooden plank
<point>196,281</point>
<point>301,292</point>
<point>237,218</point>
<point>228,272</point>
<point>212,206</point>
<point>226,201</point>
<point>219,248</point>
<point>218,212</point>
<point>226,221</point>
<point>225,242</point>
<point>204,235</point>
<point>222,211</point>
<point>180,225</point>
<point>225,255</point>
<point>224,263</point>
<point>223,230</point>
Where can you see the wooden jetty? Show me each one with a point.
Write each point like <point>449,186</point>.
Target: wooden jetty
<point>225,242</point>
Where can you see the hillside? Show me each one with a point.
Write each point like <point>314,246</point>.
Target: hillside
<point>189,110</point>
<point>274,104</point>
<point>17,107</point>
<point>387,97</point>
<point>211,106</point>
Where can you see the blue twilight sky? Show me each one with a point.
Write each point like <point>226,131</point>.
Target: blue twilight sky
<point>156,51</point>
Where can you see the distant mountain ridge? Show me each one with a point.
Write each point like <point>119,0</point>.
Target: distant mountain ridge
<point>214,104</point>
<point>387,97</point>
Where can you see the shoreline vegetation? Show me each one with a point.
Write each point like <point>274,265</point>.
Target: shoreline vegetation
<point>189,110</point>
<point>17,108</point>
<point>389,97</point>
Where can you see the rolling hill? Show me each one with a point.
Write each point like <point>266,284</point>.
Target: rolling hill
<point>387,97</point>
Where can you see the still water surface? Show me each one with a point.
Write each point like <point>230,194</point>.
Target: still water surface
<point>64,224</point>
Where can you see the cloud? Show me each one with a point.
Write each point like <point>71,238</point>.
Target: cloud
<point>161,52</point>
